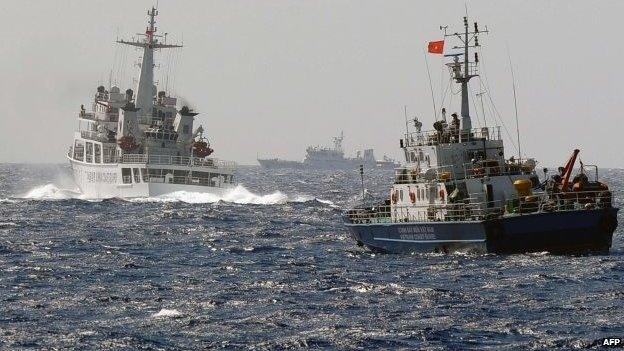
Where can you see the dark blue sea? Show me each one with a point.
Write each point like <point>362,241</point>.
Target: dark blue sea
<point>270,267</point>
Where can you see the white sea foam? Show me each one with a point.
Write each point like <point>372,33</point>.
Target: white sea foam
<point>238,195</point>
<point>52,192</point>
<point>167,313</point>
<point>307,198</point>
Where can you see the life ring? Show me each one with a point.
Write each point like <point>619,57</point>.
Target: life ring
<point>412,196</point>
<point>395,196</point>
<point>127,143</point>
<point>441,193</point>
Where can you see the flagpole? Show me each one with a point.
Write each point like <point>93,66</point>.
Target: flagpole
<point>435,110</point>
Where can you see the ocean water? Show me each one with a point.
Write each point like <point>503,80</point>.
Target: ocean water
<point>270,266</point>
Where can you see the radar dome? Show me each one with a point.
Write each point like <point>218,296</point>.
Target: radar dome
<point>114,89</point>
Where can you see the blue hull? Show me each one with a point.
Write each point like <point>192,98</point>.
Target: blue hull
<point>568,232</point>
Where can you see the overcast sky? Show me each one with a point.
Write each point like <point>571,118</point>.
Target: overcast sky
<point>272,77</point>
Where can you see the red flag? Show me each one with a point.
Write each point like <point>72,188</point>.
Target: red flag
<point>436,47</point>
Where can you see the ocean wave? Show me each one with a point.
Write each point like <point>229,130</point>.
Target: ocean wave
<point>237,195</point>
<point>307,198</point>
<point>167,313</point>
<point>52,192</point>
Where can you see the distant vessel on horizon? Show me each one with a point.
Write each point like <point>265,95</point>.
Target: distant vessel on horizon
<point>142,145</point>
<point>318,157</point>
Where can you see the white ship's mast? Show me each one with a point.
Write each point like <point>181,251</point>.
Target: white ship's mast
<point>145,87</point>
<point>338,142</point>
<point>463,71</point>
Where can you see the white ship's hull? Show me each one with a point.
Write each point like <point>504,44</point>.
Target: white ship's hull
<point>105,181</point>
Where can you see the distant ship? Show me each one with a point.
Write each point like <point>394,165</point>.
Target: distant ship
<point>318,157</point>
<point>457,191</point>
<point>138,145</point>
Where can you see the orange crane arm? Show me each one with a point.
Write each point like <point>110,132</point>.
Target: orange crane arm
<point>567,170</point>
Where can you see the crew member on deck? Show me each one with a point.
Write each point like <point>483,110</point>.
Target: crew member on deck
<point>455,127</point>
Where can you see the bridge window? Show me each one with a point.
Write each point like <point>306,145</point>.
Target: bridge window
<point>144,175</point>
<point>98,153</point>
<point>78,151</point>
<point>89,152</point>
<point>126,175</point>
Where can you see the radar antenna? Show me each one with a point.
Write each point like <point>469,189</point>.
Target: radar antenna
<point>149,42</point>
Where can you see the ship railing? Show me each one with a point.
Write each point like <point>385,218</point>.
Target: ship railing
<point>560,201</point>
<point>494,168</point>
<point>134,158</point>
<point>470,209</point>
<point>110,116</point>
<point>217,182</point>
<point>459,211</point>
<point>92,135</point>
<point>408,174</point>
<point>179,161</point>
<point>451,135</point>
<point>86,115</point>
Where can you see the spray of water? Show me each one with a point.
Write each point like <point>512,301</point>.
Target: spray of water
<point>238,195</point>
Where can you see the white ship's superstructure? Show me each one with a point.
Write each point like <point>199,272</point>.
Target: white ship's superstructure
<point>137,145</point>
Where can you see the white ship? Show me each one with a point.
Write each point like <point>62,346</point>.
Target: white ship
<point>319,157</point>
<point>139,145</point>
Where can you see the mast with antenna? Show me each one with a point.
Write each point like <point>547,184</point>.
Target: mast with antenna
<point>463,71</point>
<point>513,80</point>
<point>149,43</point>
<point>406,121</point>
<point>480,96</point>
